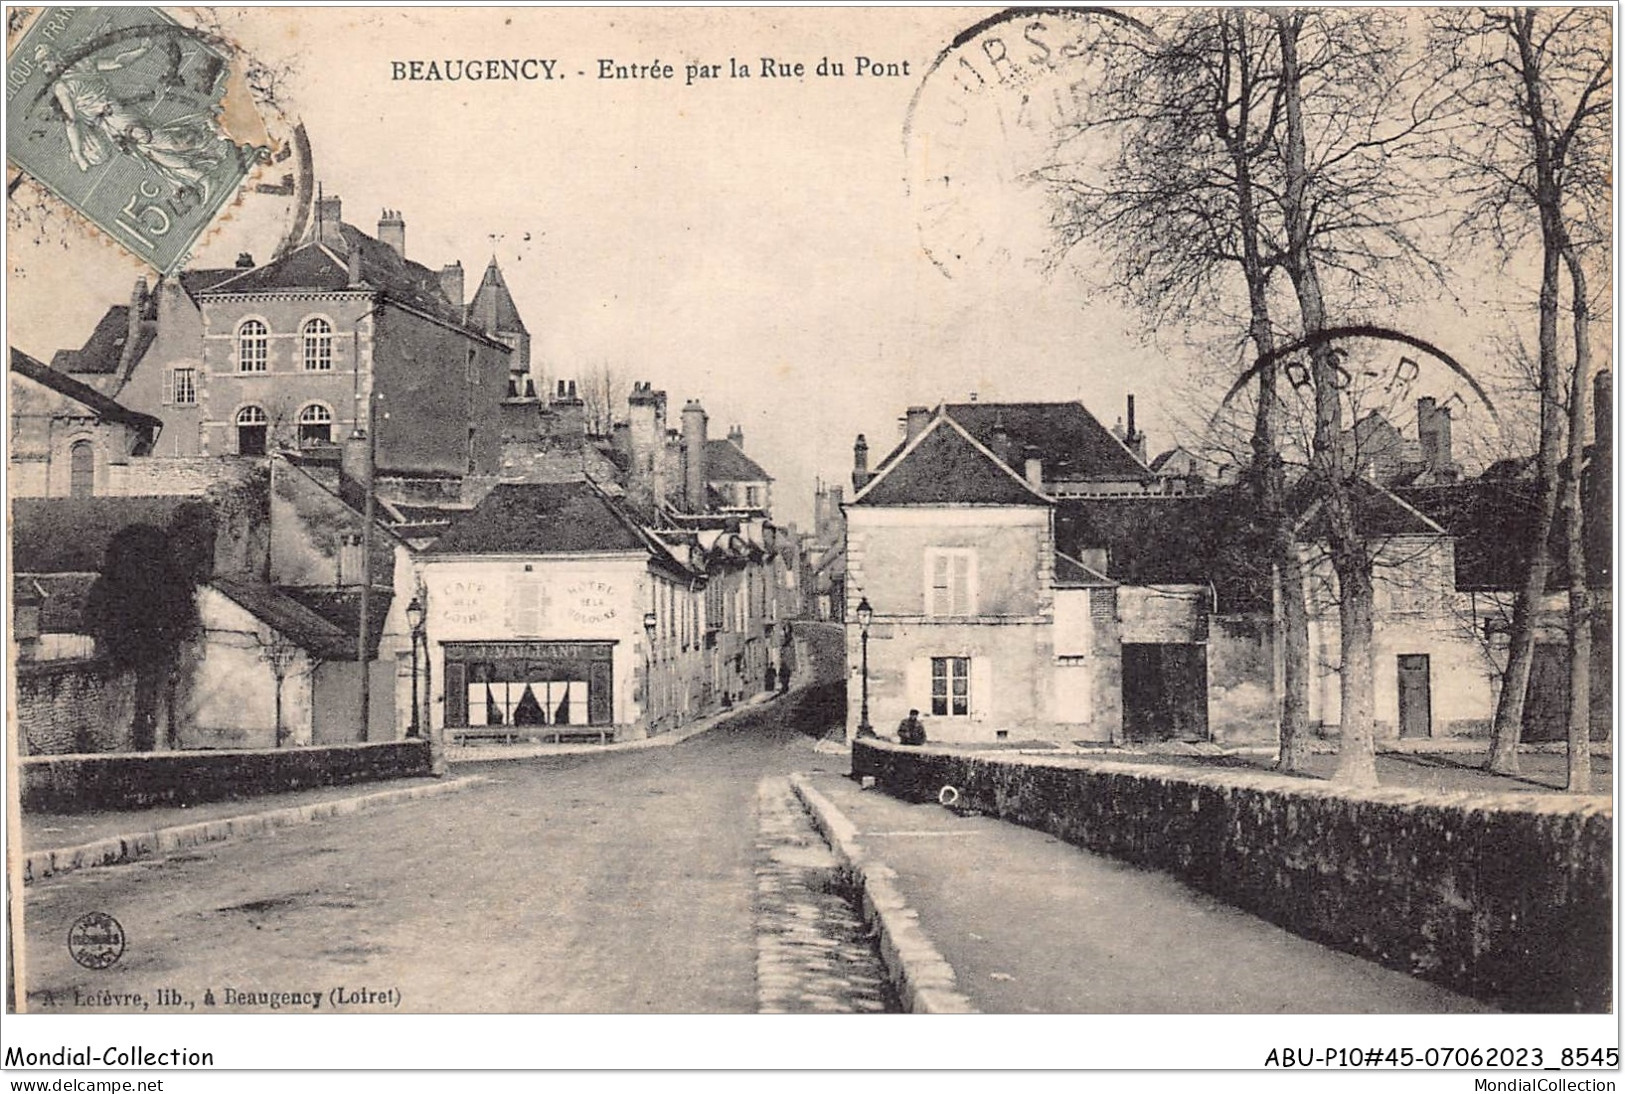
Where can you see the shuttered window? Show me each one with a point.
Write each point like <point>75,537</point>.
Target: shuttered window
<point>950,582</point>
<point>950,687</point>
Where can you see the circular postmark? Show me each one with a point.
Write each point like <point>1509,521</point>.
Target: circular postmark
<point>96,940</point>
<point>995,126</point>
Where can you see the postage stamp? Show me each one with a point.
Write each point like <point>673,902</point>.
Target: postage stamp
<point>117,112</point>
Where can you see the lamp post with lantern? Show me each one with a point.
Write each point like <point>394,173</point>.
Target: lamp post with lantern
<point>414,619</point>
<point>866,615</point>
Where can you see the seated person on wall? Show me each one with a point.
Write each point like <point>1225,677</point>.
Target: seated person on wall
<point>910,731</point>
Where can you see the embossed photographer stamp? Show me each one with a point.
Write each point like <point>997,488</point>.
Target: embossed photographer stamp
<point>116,112</point>
<point>96,940</point>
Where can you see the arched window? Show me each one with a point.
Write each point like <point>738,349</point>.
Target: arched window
<point>318,339</point>
<point>253,341</point>
<point>251,431</point>
<point>82,469</point>
<point>315,425</point>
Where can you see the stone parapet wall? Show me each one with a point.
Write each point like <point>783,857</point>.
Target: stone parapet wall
<point>1505,897</point>
<point>81,783</point>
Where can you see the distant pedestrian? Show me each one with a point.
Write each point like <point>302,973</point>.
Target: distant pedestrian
<point>910,731</point>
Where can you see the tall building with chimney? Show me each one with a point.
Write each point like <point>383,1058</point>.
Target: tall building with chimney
<point>306,351</point>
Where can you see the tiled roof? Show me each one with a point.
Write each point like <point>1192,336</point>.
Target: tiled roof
<point>945,467</point>
<point>1070,440</point>
<point>541,518</point>
<point>1492,521</point>
<point>104,349</point>
<point>288,617</point>
<point>493,308</point>
<point>64,384</point>
<point>342,608</point>
<point>1211,539</point>
<point>1377,512</point>
<point>725,462</point>
<point>196,281</point>
<point>1069,571</point>
<point>324,265</point>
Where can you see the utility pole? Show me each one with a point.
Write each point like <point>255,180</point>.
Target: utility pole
<point>364,626</point>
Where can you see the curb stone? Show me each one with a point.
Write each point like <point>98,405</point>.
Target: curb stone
<point>922,978</point>
<point>118,850</point>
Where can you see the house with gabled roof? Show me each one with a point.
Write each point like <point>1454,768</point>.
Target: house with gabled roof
<point>553,613</point>
<point>1044,598</point>
<point>68,438</point>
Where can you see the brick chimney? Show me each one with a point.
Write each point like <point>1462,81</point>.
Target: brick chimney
<point>736,434</point>
<point>1133,437</point>
<point>392,230</point>
<point>329,215</point>
<point>694,421</point>
<point>451,282</point>
<point>918,418</point>
<point>1433,434</point>
<point>860,462</point>
<point>139,298</point>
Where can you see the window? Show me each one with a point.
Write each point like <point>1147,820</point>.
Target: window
<point>183,387</point>
<point>950,582</point>
<point>81,469</point>
<point>318,341</point>
<point>315,425</point>
<point>950,687</point>
<point>753,496</point>
<point>251,425</point>
<point>253,341</point>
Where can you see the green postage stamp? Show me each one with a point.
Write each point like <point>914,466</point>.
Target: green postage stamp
<point>117,112</point>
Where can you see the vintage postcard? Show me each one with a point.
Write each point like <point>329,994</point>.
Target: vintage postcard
<point>1095,515</point>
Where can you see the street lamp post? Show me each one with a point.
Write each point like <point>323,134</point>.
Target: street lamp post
<point>414,619</point>
<point>866,615</point>
<point>649,622</point>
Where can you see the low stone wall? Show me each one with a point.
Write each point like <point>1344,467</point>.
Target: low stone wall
<point>1507,898</point>
<point>73,706</point>
<point>81,783</point>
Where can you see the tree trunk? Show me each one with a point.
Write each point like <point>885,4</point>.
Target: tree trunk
<point>1269,474</point>
<point>1579,710</point>
<point>1508,725</point>
<point>1356,750</point>
<point>149,683</point>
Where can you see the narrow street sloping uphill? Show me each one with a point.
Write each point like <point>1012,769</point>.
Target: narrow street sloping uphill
<point>614,883</point>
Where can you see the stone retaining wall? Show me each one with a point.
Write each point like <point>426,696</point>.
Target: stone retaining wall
<point>1505,897</point>
<point>81,783</point>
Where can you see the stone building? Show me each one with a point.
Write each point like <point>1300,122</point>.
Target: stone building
<point>1043,598</point>
<point>67,438</point>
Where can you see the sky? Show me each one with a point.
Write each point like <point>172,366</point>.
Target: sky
<point>751,243</point>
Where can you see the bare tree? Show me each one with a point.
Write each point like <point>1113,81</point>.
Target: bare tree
<point>1533,159</point>
<point>603,391</point>
<point>1257,143</point>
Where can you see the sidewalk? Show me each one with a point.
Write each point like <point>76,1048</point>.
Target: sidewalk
<point>480,753</point>
<point>1029,924</point>
<point>56,844</point>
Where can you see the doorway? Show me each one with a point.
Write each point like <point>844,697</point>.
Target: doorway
<point>1415,696</point>
<point>1164,691</point>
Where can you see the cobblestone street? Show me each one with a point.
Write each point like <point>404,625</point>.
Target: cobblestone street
<point>813,952</point>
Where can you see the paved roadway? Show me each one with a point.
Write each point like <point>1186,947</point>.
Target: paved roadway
<point>617,883</point>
